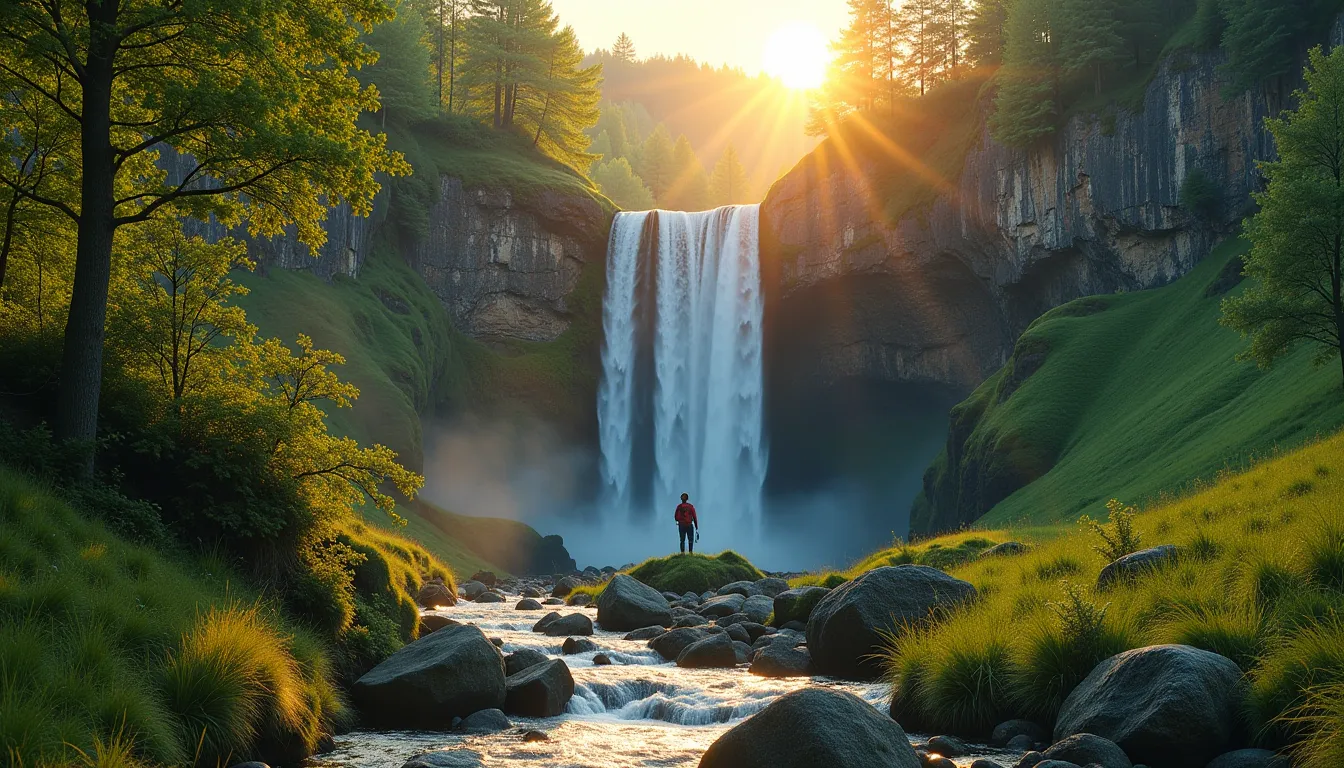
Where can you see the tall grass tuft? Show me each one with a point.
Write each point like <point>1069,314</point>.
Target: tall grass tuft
<point>1240,634</point>
<point>1312,657</point>
<point>1325,557</point>
<point>1321,719</point>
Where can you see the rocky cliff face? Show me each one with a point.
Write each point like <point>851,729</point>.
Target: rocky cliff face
<point>503,266</point>
<point>940,294</point>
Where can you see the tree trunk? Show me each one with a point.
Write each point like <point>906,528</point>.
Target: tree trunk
<point>82,357</point>
<point>9,238</point>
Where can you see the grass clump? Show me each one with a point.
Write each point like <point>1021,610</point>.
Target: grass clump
<point>696,573</point>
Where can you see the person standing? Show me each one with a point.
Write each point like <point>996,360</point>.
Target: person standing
<point>687,523</point>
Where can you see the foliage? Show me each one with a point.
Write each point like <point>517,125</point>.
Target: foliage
<point>1199,194</point>
<point>1083,428</point>
<point>1118,537</point>
<point>1254,599</point>
<point>618,181</point>
<point>401,73</point>
<point>728,183</point>
<point>683,573</point>
<point>1297,237</point>
<point>1261,37</point>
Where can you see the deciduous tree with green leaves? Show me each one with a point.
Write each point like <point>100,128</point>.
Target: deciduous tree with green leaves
<point>1296,261</point>
<point>258,97</point>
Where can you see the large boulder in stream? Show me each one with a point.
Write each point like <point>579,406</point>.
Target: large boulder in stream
<point>713,651</point>
<point>522,659</point>
<point>1167,706</point>
<point>781,660</point>
<point>670,644</point>
<point>814,727</point>
<point>573,624</point>
<point>847,625</point>
<point>541,690</point>
<point>451,758</point>
<point>797,604</point>
<point>627,604</point>
<point>449,673</point>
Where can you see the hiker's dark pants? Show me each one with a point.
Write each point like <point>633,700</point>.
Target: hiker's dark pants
<point>687,536</point>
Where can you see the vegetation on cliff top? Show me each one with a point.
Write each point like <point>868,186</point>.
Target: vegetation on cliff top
<point>1127,395</point>
<point>1259,579</point>
<point>687,572</point>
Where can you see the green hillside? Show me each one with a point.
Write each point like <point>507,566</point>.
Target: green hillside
<point>1129,396</point>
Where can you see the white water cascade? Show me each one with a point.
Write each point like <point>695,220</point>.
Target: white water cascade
<point>680,404</point>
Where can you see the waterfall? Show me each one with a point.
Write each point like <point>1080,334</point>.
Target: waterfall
<point>679,406</point>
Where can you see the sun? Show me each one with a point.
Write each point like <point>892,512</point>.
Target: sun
<point>796,54</point>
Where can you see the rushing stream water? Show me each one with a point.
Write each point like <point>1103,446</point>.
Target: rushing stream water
<point>638,711</point>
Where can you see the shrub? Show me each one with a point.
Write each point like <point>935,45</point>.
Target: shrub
<point>682,573</point>
<point>1118,537</point>
<point>1238,634</point>
<point>1199,194</point>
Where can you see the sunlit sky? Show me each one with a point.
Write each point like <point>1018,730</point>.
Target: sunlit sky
<point>733,32</point>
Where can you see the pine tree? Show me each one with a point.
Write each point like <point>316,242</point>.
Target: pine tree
<point>1090,40</point>
<point>728,185</point>
<point>557,109</point>
<point>1026,105</point>
<point>917,27</point>
<point>656,162</point>
<point>624,49</point>
<point>950,34</point>
<point>402,71</point>
<point>862,73</point>
<point>690,186</point>
<point>508,46</point>
<point>984,33</point>
<point>617,180</point>
<point>445,21</point>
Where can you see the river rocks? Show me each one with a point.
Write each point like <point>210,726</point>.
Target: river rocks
<point>473,589</point>
<point>540,691</point>
<point>545,621</point>
<point>432,622</point>
<point>795,626</point>
<point>1249,758</point>
<point>758,608</point>
<point>670,597</point>
<point>743,588</point>
<point>736,632</point>
<point>434,594</point>
<point>755,630</point>
<point>532,592</point>
<point>564,586</point>
<point>450,673</point>
<point>485,721</point>
<point>720,606</point>
<point>535,735</point>
<point>1087,749</point>
<point>601,660</point>
<point>690,621</point>
<point>553,601</point>
<point>489,597</point>
<point>937,761</point>
<point>628,604</point>
<point>575,645</point>
<point>797,604</point>
<point>813,727</point>
<point>1168,706</point>
<point>741,651</point>
<point>949,746</point>
<point>712,651</point>
<point>522,659</point>
<point>1136,564</point>
<point>453,758</point>
<point>644,633</point>
<point>579,600</point>
<point>846,625</point>
<point>527,604</point>
<point>1010,729</point>
<point>1029,760</point>
<point>573,624</point>
<point>771,587</point>
<point>487,578</point>
<point>781,660</point>
<point>670,644</point>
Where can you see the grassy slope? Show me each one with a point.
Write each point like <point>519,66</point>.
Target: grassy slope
<point>1261,580</point>
<point>403,353</point>
<point>1139,399</point>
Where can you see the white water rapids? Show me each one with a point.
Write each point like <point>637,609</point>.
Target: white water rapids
<point>639,711</point>
<point>680,404</point>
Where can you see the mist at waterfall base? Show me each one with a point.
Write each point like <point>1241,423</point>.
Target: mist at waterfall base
<point>682,408</point>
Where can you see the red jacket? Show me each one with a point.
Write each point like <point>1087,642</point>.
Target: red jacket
<point>686,515</point>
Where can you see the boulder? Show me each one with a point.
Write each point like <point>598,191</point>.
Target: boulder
<point>522,659</point>
<point>949,746</point>
<point>489,597</point>
<point>545,621</point>
<point>474,589</point>
<point>1087,749</point>
<point>781,660</point>
<point>982,762</point>
<point>712,651</point>
<point>770,586</point>
<point>722,605</point>
<point>1062,764</point>
<point>498,642</point>
<point>581,599</point>
<point>540,691</point>
<point>1249,758</point>
<point>1021,743</point>
<point>797,604</point>
<point>755,630</point>
<point>564,586</point>
<point>796,626</point>
<point>532,592</point>
<point>691,597</point>
<point>1006,549</point>
<point>1009,729</point>
<point>527,604</point>
<point>535,735</point>
<point>432,622</point>
<point>434,594</point>
<point>552,601</point>
<point>741,651</point>
<point>1029,760</point>
<point>575,645</point>
<point>670,644</point>
<point>706,596</point>
<point>485,577</point>
<point>601,660</point>
<point>813,727</point>
<point>743,588</point>
<point>690,621</point>
<point>1136,564</point>
<point>485,721</point>
<point>449,673</point>
<point>573,624</point>
<point>737,633</point>
<point>671,597</point>
<point>452,758</point>
<point>1168,706</point>
<point>847,625</point>
<point>731,619</point>
<point>628,604</point>
<point>758,608</point>
<point>937,761</point>
<point>644,633</point>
